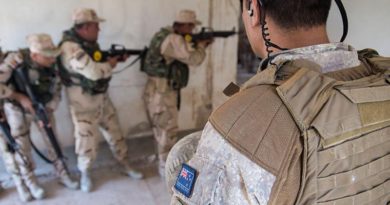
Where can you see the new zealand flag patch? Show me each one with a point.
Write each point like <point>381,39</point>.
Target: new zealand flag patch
<point>186,180</point>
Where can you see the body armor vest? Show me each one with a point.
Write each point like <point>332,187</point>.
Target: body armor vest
<point>41,80</point>
<point>326,137</point>
<point>176,72</point>
<point>92,87</point>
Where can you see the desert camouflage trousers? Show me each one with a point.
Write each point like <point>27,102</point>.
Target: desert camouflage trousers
<point>87,124</point>
<point>20,164</point>
<point>160,101</point>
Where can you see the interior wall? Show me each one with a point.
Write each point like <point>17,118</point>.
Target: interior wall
<point>368,24</point>
<point>132,23</point>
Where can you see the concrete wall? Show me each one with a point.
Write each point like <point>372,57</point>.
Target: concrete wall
<point>132,23</point>
<point>368,24</point>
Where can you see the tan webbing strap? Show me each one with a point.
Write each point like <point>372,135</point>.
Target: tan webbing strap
<point>353,154</point>
<point>367,94</point>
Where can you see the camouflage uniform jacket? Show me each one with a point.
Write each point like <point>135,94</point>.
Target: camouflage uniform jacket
<point>76,59</point>
<point>44,82</point>
<point>166,47</point>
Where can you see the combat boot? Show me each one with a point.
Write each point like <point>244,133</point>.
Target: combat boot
<point>31,183</point>
<point>86,181</point>
<point>24,193</point>
<point>36,191</point>
<point>68,182</point>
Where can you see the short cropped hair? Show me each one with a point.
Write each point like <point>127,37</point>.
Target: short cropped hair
<point>293,14</point>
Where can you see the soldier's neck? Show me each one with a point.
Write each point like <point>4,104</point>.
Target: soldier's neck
<point>297,38</point>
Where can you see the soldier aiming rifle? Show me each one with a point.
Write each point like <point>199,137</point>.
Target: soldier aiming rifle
<point>120,51</point>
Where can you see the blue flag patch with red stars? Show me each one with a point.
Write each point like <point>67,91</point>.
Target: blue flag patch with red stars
<point>186,180</point>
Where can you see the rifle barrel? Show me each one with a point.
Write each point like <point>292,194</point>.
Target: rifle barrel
<point>133,52</point>
<point>210,35</point>
<point>223,33</point>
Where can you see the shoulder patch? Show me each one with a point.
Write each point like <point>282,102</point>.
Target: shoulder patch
<point>186,180</point>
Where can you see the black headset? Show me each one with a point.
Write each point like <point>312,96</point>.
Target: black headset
<point>264,27</point>
<point>339,5</point>
<point>344,17</point>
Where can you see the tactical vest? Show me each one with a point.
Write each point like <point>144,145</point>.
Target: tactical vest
<point>155,65</point>
<point>326,137</point>
<point>41,80</point>
<point>92,87</point>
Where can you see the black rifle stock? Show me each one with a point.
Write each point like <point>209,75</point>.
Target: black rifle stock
<point>208,34</point>
<point>40,113</point>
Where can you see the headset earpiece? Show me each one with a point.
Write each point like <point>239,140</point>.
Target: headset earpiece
<point>250,12</point>
<point>250,9</point>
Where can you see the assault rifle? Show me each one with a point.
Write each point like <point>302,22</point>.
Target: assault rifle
<point>118,50</point>
<point>208,34</point>
<point>22,82</point>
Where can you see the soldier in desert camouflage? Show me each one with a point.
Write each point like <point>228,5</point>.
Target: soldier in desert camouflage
<point>169,50</point>
<point>38,61</point>
<point>86,82</point>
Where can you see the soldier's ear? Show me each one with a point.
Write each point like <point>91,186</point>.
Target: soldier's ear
<point>250,8</point>
<point>254,12</point>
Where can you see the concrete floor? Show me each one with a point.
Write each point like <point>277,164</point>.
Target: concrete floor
<point>112,187</point>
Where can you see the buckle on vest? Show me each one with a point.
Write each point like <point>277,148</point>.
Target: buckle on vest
<point>231,89</point>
